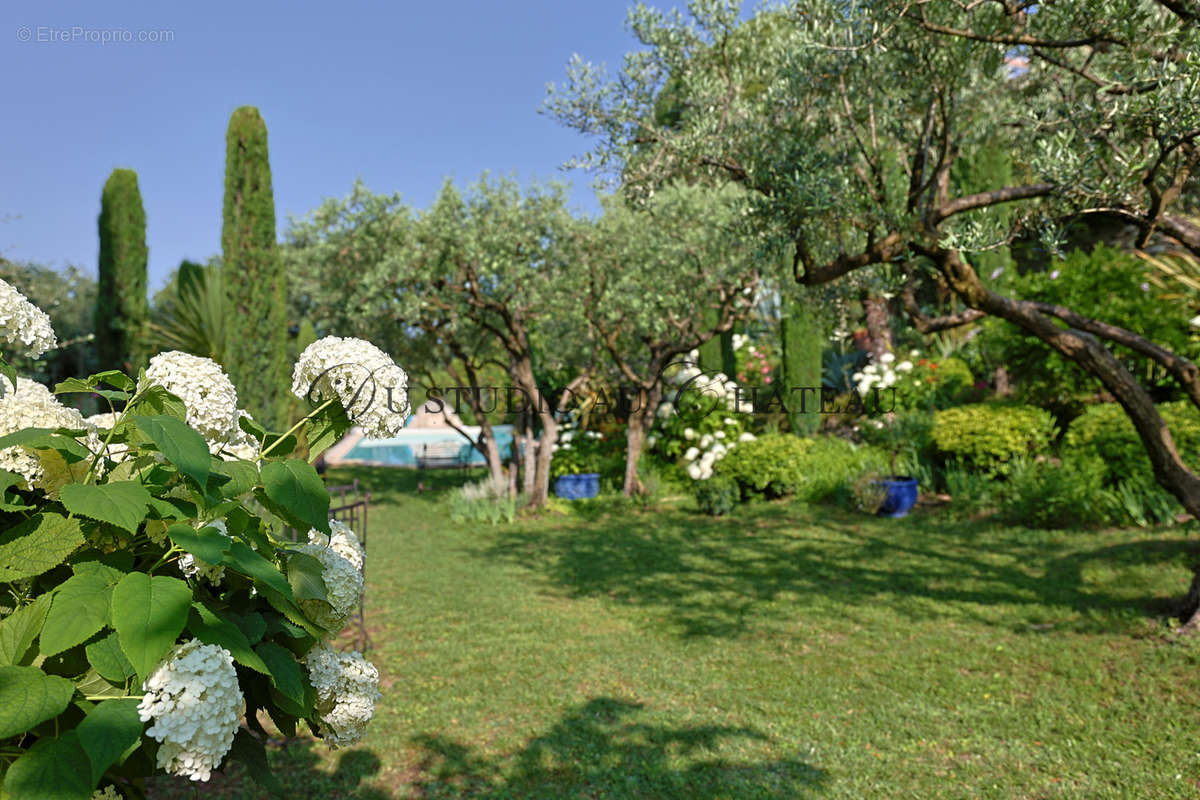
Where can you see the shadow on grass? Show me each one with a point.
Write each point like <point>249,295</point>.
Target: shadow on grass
<point>717,577</point>
<point>599,750</point>
<point>299,767</point>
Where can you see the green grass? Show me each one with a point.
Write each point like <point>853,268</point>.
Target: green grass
<point>785,652</point>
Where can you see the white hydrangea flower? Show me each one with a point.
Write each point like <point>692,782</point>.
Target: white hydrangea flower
<point>363,378</point>
<point>347,688</point>
<point>651,441</point>
<point>344,542</point>
<point>692,454</point>
<point>746,437</point>
<point>240,445</point>
<point>203,387</point>
<point>196,704</point>
<point>32,405</point>
<point>343,584</point>
<point>198,568</point>
<point>904,366</point>
<point>689,434</point>
<point>23,323</point>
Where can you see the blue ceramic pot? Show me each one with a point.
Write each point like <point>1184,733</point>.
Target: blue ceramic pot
<point>901,496</point>
<point>577,487</point>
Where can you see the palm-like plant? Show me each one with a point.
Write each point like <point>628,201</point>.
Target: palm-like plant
<point>192,318</point>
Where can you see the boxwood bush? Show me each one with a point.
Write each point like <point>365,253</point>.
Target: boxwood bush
<point>987,436</point>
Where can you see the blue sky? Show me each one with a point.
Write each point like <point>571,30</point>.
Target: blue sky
<point>400,94</point>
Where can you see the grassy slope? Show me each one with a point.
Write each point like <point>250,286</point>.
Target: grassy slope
<point>782,653</point>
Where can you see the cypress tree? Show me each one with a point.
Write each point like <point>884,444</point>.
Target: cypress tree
<point>257,336</point>
<point>122,309</point>
<point>802,339</point>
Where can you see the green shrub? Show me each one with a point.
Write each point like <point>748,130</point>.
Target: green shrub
<point>908,434</point>
<point>717,495</point>
<point>486,501</point>
<point>1105,432</point>
<point>935,383</point>
<point>1141,501</point>
<point>769,466</point>
<point>1106,284</point>
<point>1044,494</point>
<point>987,436</point>
<point>970,490</point>
<point>831,466</point>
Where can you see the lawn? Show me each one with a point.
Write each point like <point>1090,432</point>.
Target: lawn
<point>785,652</point>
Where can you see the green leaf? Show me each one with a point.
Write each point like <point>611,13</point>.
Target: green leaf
<point>248,749</point>
<point>252,428</point>
<point>53,769</point>
<point>286,674</point>
<point>38,544</point>
<point>29,696</point>
<point>326,429</point>
<point>243,477</point>
<point>180,444</point>
<point>10,372</point>
<point>123,503</point>
<point>79,609</point>
<point>46,439</point>
<point>92,684</point>
<point>252,625</point>
<point>172,508</point>
<point>208,626</point>
<point>112,377</point>
<point>149,613</point>
<point>20,628</point>
<point>109,661</point>
<point>109,729</point>
<point>304,575</point>
<point>207,544</point>
<point>296,494</point>
<point>157,400</point>
<point>7,481</point>
<point>248,562</point>
<point>286,606</point>
<point>114,565</point>
<point>279,444</point>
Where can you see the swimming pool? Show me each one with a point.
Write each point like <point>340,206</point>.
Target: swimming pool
<point>403,449</point>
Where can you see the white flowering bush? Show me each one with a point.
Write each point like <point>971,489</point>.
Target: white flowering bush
<point>150,603</point>
<point>701,418</point>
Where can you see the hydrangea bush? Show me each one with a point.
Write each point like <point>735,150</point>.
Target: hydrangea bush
<point>153,612</point>
<point>700,420</point>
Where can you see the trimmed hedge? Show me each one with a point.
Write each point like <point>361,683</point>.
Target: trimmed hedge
<point>989,435</point>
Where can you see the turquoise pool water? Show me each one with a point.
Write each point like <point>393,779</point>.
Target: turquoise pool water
<point>402,450</point>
